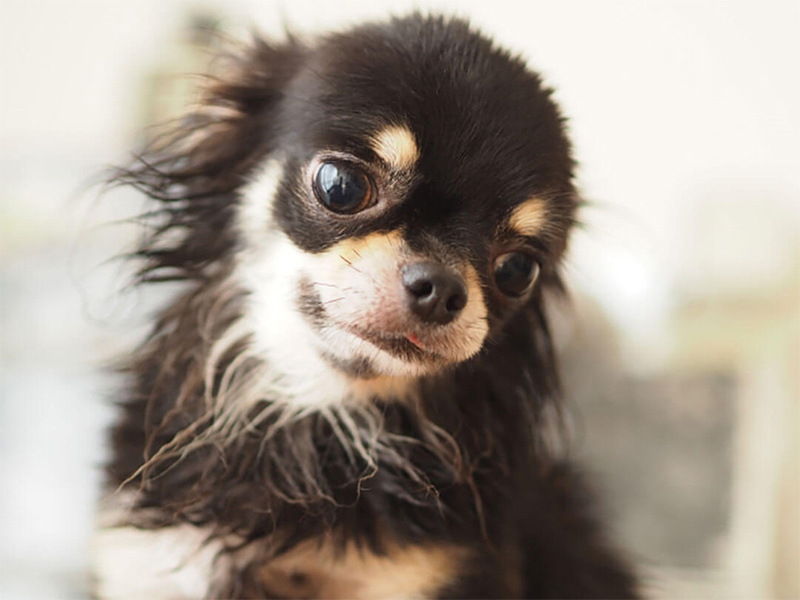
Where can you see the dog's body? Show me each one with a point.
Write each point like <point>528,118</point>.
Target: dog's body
<point>351,398</point>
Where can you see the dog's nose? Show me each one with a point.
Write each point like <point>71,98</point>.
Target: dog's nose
<point>435,294</point>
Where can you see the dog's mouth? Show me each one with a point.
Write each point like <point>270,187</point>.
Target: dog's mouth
<point>408,346</point>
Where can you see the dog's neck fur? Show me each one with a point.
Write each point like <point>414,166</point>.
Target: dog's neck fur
<point>221,436</point>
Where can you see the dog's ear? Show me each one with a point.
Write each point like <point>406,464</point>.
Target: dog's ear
<point>233,117</point>
<point>194,169</point>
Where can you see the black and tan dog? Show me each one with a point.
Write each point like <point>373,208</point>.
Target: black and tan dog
<point>351,397</point>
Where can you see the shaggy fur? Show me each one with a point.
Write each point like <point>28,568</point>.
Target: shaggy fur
<point>213,435</point>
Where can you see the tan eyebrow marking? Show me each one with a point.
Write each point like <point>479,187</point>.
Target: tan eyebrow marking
<point>396,145</point>
<point>529,218</point>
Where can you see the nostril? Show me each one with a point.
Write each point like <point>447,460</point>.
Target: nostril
<point>421,288</point>
<point>456,302</point>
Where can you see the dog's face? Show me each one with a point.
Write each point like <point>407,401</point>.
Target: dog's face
<point>414,194</point>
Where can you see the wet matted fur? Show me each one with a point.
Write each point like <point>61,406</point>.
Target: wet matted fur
<point>277,437</point>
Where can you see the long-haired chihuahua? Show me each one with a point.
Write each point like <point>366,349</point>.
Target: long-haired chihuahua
<point>353,393</point>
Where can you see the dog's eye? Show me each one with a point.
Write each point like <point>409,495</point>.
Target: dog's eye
<point>515,272</point>
<point>342,188</point>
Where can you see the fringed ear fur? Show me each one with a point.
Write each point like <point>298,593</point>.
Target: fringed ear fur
<point>194,168</point>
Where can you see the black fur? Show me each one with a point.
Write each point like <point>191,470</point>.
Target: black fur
<point>490,137</point>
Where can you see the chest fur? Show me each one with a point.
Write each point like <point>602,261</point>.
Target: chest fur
<point>318,569</point>
<point>182,562</point>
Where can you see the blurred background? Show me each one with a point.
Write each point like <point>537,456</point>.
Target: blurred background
<point>682,342</point>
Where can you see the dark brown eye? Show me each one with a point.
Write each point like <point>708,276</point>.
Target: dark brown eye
<point>515,272</point>
<point>342,188</point>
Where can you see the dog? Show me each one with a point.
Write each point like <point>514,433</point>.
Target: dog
<point>352,396</point>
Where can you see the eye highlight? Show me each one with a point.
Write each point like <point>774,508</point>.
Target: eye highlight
<point>515,273</point>
<point>343,188</point>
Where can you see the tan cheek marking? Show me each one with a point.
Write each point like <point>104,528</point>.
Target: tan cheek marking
<point>476,307</point>
<point>396,146</point>
<point>322,570</point>
<point>471,327</point>
<point>529,218</point>
<point>356,269</point>
<point>377,250</point>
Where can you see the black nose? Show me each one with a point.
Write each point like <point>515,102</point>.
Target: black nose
<point>435,294</point>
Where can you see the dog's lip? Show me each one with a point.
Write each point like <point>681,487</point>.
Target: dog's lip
<point>408,344</point>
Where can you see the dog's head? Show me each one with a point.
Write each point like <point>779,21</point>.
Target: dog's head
<point>388,198</point>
